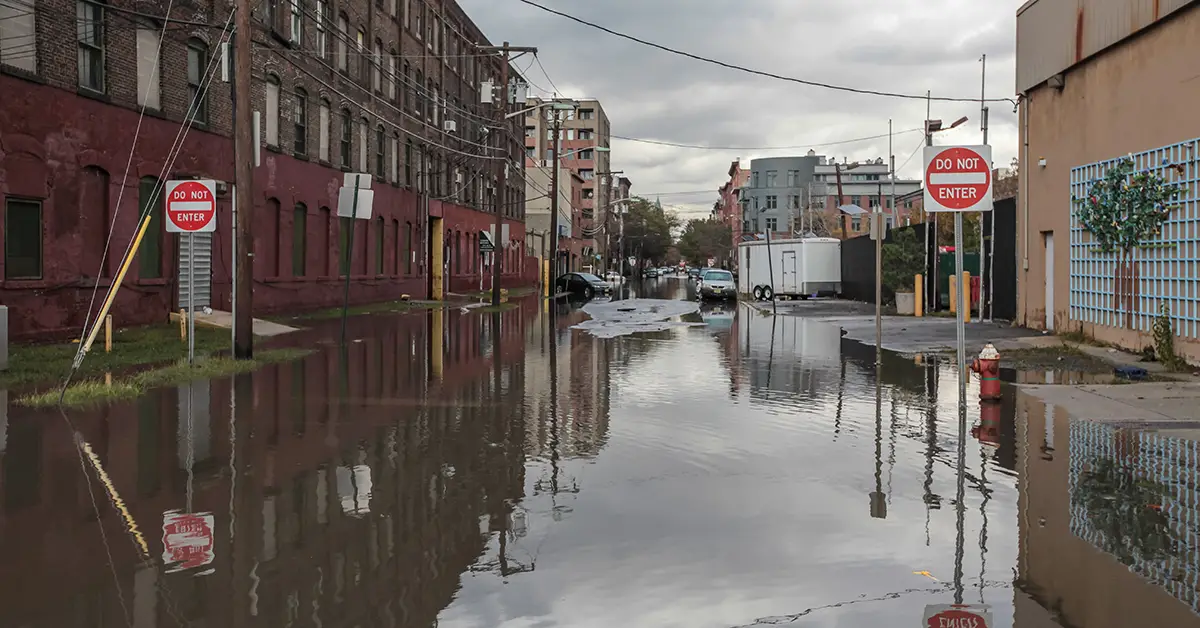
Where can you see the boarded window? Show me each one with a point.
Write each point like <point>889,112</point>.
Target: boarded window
<point>299,239</point>
<point>22,239</point>
<point>150,254</point>
<point>148,68</point>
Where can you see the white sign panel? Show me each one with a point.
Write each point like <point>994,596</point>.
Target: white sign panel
<point>191,206</point>
<point>958,178</point>
<point>346,198</point>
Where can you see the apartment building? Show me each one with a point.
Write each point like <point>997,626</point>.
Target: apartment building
<point>390,87</point>
<point>1119,87</point>
<point>544,233</point>
<point>728,208</point>
<point>584,148</point>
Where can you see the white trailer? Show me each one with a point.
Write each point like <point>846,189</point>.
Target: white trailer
<point>792,268</point>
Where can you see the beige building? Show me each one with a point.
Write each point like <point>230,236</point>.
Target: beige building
<point>1099,80</point>
<point>540,229</point>
<point>583,131</point>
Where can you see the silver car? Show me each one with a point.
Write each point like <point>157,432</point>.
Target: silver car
<point>716,284</point>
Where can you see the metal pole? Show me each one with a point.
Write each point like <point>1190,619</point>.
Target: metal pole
<point>503,141</point>
<point>878,218</point>
<point>244,146</point>
<point>349,260</point>
<point>555,127</point>
<point>233,278</point>
<point>930,237</point>
<point>984,301</point>
<point>959,323</point>
<point>191,322</point>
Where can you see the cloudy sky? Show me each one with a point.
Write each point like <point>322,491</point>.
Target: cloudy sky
<point>904,46</point>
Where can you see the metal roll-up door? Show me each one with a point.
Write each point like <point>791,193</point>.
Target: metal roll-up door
<point>202,272</point>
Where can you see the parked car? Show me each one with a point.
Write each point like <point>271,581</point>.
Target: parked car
<point>614,278</point>
<point>650,273</point>
<point>584,285</point>
<point>716,284</point>
<point>693,273</point>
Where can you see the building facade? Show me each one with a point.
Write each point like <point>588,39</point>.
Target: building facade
<point>98,112</point>
<point>728,208</point>
<point>614,217</point>
<point>542,232</point>
<point>1087,101</point>
<point>584,141</point>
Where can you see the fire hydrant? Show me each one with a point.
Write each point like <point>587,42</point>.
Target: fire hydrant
<point>987,365</point>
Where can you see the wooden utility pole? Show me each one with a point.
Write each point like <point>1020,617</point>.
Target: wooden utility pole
<point>243,157</point>
<point>504,143</point>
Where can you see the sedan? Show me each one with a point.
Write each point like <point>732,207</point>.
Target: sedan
<point>583,285</point>
<point>716,284</point>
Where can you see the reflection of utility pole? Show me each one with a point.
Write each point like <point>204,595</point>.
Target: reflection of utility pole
<point>837,417</point>
<point>960,507</point>
<point>983,529</point>
<point>932,500</point>
<point>878,500</point>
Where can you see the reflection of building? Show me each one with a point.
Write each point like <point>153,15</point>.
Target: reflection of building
<point>316,441</point>
<point>1068,557</point>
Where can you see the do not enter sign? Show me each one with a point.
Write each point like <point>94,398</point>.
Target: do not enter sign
<point>191,206</point>
<point>958,178</point>
<point>957,616</point>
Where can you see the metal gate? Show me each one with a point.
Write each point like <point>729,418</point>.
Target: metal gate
<point>202,272</point>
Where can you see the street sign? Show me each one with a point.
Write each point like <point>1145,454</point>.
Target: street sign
<point>191,206</point>
<point>958,178</point>
<point>957,616</point>
<point>485,243</point>
<point>187,540</point>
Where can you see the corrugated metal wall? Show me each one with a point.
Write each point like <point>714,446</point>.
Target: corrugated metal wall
<point>203,271</point>
<point>1054,35</point>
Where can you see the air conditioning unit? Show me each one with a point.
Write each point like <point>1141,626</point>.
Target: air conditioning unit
<point>458,178</point>
<point>485,93</point>
<point>450,126</point>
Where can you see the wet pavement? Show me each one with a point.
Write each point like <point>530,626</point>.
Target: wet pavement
<point>665,464</point>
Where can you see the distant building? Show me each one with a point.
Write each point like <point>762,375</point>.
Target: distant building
<point>728,208</point>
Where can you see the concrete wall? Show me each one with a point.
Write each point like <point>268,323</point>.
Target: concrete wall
<point>1134,96</point>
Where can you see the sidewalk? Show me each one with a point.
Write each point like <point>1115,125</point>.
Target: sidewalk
<point>1146,402</point>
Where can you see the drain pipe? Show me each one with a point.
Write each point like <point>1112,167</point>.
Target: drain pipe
<point>1025,172</point>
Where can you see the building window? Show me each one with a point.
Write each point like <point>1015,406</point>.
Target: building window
<point>18,44</point>
<point>408,234</point>
<point>347,131</point>
<point>364,60</point>
<point>380,151</point>
<point>791,178</point>
<point>272,126</point>
<point>408,161</point>
<point>391,75</point>
<point>419,94</point>
<point>772,224</point>
<point>794,201</point>
<point>299,239</point>
<point>323,132</point>
<point>297,29</point>
<point>197,69</point>
<point>147,67</point>
<point>364,141</point>
<point>394,149</point>
<point>587,114</point>
<point>343,32</point>
<point>587,153</point>
<point>301,122</point>
<point>325,224</point>
<point>150,253</point>
<point>22,239</point>
<point>585,134</point>
<point>322,18</point>
<point>396,242</point>
<point>377,70</point>
<point>856,200</point>
<point>406,89</point>
<point>755,176</point>
<point>90,30</point>
<point>772,202</point>
<point>587,174</point>
<point>379,246</point>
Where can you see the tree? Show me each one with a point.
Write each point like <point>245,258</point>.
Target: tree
<point>903,258</point>
<point>648,229</point>
<point>1122,211</point>
<point>704,239</point>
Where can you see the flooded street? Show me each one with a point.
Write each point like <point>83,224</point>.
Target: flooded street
<point>729,468</point>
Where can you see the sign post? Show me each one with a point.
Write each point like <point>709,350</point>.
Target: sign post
<point>958,179</point>
<point>355,199</point>
<point>191,209</point>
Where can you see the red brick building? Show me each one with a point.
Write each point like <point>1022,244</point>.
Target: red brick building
<point>728,208</point>
<point>390,87</point>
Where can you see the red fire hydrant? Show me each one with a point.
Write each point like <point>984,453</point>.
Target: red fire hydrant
<point>988,430</point>
<point>987,365</point>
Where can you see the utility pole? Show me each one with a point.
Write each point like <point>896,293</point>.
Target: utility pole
<point>504,142</point>
<point>983,245</point>
<point>837,171</point>
<point>931,284</point>
<point>556,125</point>
<point>243,156</point>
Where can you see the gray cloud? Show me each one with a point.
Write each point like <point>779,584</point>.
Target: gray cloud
<point>905,46</point>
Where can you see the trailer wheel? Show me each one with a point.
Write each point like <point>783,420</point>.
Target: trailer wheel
<point>757,293</point>
<point>768,294</point>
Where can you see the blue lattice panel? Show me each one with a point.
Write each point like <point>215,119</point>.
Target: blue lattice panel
<point>1171,463</point>
<point>1167,266</point>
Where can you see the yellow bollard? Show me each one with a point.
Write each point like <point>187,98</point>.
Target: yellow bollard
<point>108,379</point>
<point>966,282</point>
<point>183,324</point>
<point>953,294</point>
<point>108,334</point>
<point>919,295</point>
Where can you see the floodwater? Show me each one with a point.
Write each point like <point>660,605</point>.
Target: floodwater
<point>728,469</point>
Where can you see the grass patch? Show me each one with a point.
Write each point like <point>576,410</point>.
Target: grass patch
<point>92,392</point>
<point>387,307</point>
<point>1061,358</point>
<point>40,365</point>
<point>503,307</point>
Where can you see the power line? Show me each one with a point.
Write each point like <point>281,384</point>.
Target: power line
<point>740,68</point>
<point>546,74</point>
<point>700,147</point>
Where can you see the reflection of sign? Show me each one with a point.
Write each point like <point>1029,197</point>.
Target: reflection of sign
<point>958,178</point>
<point>187,540</point>
<point>957,616</point>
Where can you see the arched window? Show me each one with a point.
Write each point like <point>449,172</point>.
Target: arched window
<point>95,212</point>
<point>300,129</point>
<point>197,52</point>
<point>272,129</point>
<point>299,240</point>
<point>150,252</point>
<point>323,131</point>
<point>391,77</point>
<point>343,34</point>
<point>379,248</point>
<point>396,246</point>
<point>380,151</point>
<point>325,241</point>
<point>347,132</point>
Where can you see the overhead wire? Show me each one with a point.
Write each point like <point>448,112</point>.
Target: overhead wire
<point>795,147</point>
<point>741,68</point>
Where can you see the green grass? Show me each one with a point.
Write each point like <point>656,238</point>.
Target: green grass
<point>503,307</point>
<point>41,365</point>
<point>93,392</point>
<point>387,307</point>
